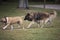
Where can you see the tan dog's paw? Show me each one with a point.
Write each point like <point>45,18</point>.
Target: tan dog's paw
<point>3,27</point>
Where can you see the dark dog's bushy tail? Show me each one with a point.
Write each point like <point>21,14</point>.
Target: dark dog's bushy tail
<point>55,13</point>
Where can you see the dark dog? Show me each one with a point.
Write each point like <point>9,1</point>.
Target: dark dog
<point>39,17</point>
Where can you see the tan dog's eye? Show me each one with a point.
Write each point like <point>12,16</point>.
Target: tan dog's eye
<point>3,19</point>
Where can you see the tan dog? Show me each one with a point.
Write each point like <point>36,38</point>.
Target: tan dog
<point>41,18</point>
<point>11,20</point>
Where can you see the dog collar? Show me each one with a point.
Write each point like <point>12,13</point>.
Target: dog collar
<point>5,19</point>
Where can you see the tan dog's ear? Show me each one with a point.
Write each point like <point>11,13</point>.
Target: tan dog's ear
<point>4,16</point>
<point>2,19</point>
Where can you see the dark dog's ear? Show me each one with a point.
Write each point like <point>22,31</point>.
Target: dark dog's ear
<point>27,16</point>
<point>28,13</point>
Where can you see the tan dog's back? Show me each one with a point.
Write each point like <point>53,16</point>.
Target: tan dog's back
<point>14,19</point>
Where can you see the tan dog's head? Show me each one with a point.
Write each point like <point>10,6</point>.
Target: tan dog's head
<point>3,20</point>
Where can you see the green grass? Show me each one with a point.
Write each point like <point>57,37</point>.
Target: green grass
<point>34,33</point>
<point>31,34</point>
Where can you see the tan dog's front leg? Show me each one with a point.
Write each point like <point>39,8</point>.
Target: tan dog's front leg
<point>5,26</point>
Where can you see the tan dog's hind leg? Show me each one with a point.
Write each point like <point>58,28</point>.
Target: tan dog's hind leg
<point>19,25</point>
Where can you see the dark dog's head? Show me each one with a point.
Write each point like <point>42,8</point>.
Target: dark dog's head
<point>28,17</point>
<point>36,16</point>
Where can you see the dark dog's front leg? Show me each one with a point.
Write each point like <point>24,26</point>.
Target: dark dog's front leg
<point>30,24</point>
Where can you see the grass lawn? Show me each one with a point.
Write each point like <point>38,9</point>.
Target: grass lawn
<point>34,33</point>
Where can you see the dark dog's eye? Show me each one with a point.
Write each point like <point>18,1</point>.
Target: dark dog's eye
<point>27,16</point>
